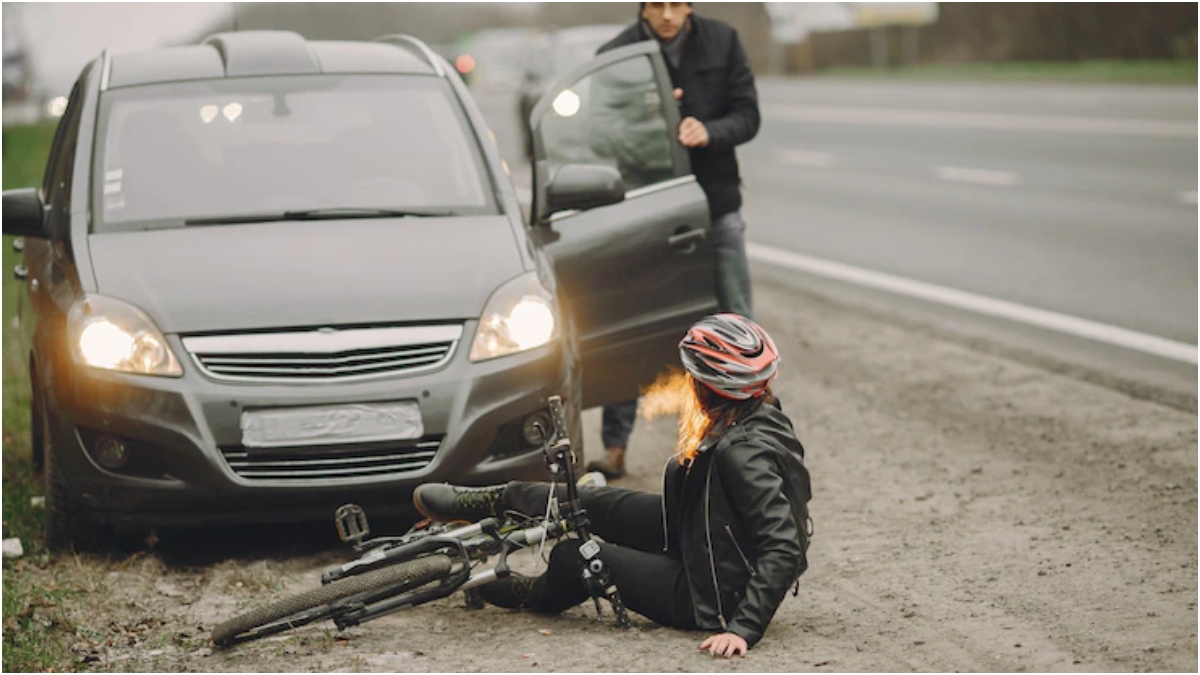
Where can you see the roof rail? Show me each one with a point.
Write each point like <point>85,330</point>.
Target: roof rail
<point>416,46</point>
<point>105,70</point>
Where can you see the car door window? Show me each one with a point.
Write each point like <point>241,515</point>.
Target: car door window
<point>613,116</point>
<point>61,150</point>
<point>56,183</point>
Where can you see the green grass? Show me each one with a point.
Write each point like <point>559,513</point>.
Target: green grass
<point>25,153</point>
<point>1182,72</point>
<point>26,150</point>
<point>36,637</point>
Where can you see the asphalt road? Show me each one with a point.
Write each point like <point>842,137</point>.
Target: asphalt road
<point>1077,200</point>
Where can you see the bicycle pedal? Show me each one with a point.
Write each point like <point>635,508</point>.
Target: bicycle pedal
<point>351,522</point>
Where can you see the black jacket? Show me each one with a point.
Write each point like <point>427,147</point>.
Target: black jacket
<point>718,89</point>
<point>738,520</point>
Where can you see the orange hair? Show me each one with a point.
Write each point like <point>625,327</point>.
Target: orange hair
<point>703,411</point>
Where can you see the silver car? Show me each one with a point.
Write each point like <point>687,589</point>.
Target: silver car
<point>265,276</point>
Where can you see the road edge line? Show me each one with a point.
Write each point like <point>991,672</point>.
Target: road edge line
<point>980,304</point>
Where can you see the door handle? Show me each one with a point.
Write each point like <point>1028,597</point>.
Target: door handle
<point>20,272</point>
<point>685,238</point>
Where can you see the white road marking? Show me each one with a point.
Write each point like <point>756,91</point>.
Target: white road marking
<point>1092,330</point>
<point>805,158</point>
<point>959,174</point>
<point>945,119</point>
<point>1187,197</point>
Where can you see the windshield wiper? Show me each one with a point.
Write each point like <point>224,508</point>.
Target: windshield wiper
<point>354,212</point>
<point>318,214</point>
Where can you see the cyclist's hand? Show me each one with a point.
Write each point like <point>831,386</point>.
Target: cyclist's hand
<point>692,133</point>
<point>725,644</point>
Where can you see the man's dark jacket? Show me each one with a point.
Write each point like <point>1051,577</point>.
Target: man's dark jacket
<point>718,89</point>
<point>738,520</point>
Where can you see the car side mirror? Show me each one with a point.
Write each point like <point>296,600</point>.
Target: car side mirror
<point>584,186</point>
<point>23,213</point>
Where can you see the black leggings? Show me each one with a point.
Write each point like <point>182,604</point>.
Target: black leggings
<point>651,582</point>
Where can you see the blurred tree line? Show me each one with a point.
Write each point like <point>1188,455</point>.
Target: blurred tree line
<point>964,32</point>
<point>1018,31</point>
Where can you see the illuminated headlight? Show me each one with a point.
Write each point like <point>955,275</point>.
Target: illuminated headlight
<point>114,335</point>
<point>519,316</point>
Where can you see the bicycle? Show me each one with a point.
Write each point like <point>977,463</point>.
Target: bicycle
<point>435,560</point>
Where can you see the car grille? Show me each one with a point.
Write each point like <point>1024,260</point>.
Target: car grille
<point>309,366</point>
<point>308,463</point>
<point>325,355</point>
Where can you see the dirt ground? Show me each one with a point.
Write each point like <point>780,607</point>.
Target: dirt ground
<point>972,514</point>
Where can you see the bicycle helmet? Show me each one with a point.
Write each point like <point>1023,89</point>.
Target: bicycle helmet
<point>731,355</point>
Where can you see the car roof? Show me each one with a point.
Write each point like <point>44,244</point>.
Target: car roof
<point>265,53</point>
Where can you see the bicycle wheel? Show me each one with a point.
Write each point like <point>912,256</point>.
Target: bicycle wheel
<point>295,611</point>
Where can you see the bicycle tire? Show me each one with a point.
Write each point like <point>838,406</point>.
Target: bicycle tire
<point>408,574</point>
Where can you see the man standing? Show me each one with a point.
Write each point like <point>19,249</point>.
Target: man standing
<point>719,106</point>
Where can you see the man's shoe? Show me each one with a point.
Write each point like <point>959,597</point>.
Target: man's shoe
<point>444,502</point>
<point>511,592</point>
<point>612,466</point>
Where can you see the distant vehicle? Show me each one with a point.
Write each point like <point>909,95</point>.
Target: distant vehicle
<point>555,54</point>
<point>494,57</point>
<point>265,276</point>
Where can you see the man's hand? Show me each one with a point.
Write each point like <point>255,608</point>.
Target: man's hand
<point>725,644</point>
<point>692,133</point>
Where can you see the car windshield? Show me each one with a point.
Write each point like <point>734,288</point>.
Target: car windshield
<point>218,149</point>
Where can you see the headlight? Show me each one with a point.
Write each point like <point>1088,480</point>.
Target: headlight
<point>114,335</point>
<point>518,316</point>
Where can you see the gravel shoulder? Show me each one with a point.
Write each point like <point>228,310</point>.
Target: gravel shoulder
<point>973,513</point>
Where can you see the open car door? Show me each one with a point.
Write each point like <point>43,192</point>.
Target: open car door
<point>616,207</point>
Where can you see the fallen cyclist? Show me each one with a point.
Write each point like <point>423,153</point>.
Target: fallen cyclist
<point>719,549</point>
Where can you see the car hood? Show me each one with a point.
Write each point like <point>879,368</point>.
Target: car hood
<point>319,273</point>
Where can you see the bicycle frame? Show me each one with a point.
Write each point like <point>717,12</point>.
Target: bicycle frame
<point>358,610</point>
<point>477,541</point>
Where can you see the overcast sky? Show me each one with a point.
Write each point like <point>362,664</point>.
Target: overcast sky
<point>63,36</point>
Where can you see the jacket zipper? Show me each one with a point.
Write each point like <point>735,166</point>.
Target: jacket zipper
<point>666,539</point>
<point>712,563</point>
<point>745,561</point>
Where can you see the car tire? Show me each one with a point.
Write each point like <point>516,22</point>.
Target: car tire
<point>36,430</point>
<point>65,524</point>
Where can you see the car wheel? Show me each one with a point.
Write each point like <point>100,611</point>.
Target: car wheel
<point>65,524</point>
<point>36,432</point>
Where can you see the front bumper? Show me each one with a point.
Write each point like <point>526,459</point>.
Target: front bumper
<point>184,429</point>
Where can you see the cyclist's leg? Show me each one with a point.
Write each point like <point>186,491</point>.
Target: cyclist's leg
<point>653,585</point>
<point>617,516</point>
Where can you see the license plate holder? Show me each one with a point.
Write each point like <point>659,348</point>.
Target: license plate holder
<point>338,424</point>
